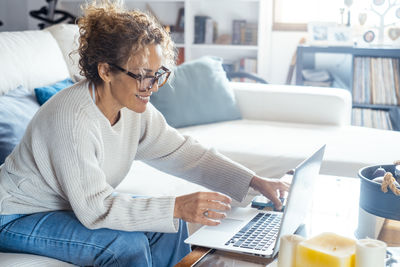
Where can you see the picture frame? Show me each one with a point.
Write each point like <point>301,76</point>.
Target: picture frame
<point>369,36</point>
<point>340,36</point>
<point>329,34</point>
<point>318,32</point>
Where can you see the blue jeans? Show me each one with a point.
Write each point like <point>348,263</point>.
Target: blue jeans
<point>60,235</point>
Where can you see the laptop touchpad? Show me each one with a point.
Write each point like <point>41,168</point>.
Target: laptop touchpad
<point>227,225</point>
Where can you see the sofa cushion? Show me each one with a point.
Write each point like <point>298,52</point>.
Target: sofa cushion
<point>67,37</point>
<point>199,93</point>
<point>44,93</point>
<point>30,59</point>
<point>271,148</point>
<point>17,108</point>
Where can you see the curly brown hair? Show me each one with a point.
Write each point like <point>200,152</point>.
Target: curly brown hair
<point>111,34</point>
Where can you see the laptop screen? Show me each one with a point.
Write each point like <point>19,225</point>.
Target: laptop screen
<point>299,199</point>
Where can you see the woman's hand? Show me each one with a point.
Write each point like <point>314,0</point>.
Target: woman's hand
<point>273,189</point>
<point>202,207</point>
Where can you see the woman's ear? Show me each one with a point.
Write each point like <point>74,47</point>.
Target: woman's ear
<point>104,72</point>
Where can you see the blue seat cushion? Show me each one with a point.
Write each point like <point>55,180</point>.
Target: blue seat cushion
<point>17,108</point>
<point>198,93</point>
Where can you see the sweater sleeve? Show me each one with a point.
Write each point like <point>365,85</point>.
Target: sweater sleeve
<point>73,152</point>
<point>164,148</point>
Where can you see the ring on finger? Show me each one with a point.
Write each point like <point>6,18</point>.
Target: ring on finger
<point>205,213</point>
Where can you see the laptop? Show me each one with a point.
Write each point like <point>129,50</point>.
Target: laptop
<point>257,232</point>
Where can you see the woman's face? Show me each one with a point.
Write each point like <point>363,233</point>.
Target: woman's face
<point>126,90</point>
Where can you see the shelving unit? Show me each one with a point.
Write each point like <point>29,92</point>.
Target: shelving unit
<point>306,60</point>
<point>222,11</point>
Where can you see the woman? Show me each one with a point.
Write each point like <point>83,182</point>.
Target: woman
<point>57,195</point>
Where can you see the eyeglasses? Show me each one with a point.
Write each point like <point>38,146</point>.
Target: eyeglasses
<point>147,81</point>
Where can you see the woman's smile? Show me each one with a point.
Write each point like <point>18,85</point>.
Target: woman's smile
<point>143,98</point>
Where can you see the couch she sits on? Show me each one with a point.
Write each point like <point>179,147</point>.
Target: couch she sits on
<point>280,125</point>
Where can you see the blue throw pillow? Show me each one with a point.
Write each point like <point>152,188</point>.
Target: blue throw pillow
<point>46,92</point>
<point>17,108</point>
<point>199,93</point>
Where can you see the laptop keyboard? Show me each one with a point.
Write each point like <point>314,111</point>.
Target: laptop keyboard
<point>259,234</point>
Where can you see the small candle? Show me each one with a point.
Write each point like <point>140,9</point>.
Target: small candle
<point>327,250</point>
<point>370,253</point>
<point>287,250</point>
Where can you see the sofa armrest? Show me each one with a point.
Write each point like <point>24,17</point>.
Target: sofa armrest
<point>297,104</point>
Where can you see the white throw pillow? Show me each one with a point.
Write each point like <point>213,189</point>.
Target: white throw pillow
<point>67,37</point>
<point>31,59</point>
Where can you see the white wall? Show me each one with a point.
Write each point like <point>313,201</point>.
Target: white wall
<point>13,13</point>
<point>283,46</point>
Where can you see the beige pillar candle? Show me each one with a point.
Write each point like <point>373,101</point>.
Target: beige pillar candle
<point>370,253</point>
<point>287,250</point>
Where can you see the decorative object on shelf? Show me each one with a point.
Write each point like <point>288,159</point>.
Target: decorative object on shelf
<point>224,39</point>
<point>378,10</point>
<point>394,33</point>
<point>318,32</point>
<point>369,36</point>
<point>362,18</point>
<point>341,15</point>
<point>340,36</point>
<point>329,33</point>
<point>348,4</point>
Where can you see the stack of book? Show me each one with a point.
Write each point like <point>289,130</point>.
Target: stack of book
<point>376,80</point>
<point>205,30</point>
<point>372,118</point>
<point>314,77</point>
<point>244,33</point>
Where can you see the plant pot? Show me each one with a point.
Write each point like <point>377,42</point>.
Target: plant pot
<point>373,200</point>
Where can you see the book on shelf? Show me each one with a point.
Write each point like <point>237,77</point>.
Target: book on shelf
<point>249,34</point>
<point>181,56</point>
<point>316,77</point>
<point>318,84</point>
<point>372,118</point>
<point>200,29</point>
<point>209,31</point>
<point>205,30</point>
<point>237,26</point>
<point>376,81</point>
<point>244,33</point>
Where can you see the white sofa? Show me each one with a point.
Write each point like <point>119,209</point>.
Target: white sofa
<point>281,125</point>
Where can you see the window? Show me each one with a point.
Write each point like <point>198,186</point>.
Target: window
<point>293,15</point>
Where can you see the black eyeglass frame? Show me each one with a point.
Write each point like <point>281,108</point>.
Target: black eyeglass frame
<point>140,78</point>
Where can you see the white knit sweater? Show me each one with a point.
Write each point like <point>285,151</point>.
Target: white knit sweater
<point>71,158</point>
